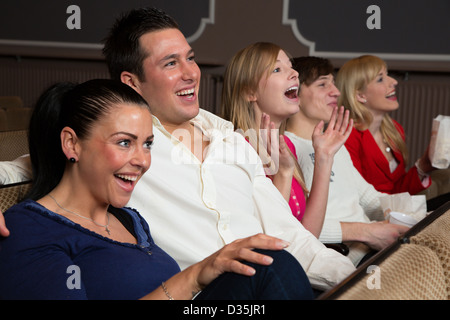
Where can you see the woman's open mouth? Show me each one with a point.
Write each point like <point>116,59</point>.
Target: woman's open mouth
<point>292,93</point>
<point>392,96</point>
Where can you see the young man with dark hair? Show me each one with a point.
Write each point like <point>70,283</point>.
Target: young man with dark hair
<point>207,186</point>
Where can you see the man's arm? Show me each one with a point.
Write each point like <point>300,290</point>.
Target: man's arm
<point>17,170</point>
<point>324,267</point>
<point>377,235</point>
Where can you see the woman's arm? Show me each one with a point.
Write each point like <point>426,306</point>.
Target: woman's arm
<point>325,145</point>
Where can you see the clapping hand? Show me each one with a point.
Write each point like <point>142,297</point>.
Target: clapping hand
<point>328,142</point>
<point>281,160</point>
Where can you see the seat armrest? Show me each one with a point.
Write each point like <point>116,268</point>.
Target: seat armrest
<point>339,247</point>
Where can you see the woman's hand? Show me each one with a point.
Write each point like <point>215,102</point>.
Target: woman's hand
<point>282,162</point>
<point>334,137</point>
<point>424,162</point>
<point>230,257</point>
<point>187,283</point>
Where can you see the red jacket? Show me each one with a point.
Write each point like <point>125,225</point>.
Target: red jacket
<point>374,167</point>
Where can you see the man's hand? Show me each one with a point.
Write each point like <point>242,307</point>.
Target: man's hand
<point>377,235</point>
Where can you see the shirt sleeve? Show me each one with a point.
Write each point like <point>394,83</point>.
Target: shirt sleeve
<point>14,171</point>
<point>369,197</point>
<point>324,267</point>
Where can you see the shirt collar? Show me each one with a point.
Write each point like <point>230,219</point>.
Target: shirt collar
<point>209,123</point>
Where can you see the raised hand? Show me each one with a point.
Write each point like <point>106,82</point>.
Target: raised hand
<point>327,143</point>
<point>277,150</point>
<point>280,164</point>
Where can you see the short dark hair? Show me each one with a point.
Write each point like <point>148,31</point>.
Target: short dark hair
<point>122,50</point>
<point>78,107</point>
<point>311,68</point>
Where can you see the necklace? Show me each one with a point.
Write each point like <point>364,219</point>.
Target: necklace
<point>388,149</point>
<point>79,215</point>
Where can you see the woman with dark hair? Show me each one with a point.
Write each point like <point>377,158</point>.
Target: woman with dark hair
<point>74,239</point>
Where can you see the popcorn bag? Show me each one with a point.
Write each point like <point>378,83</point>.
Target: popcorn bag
<point>439,151</point>
<point>414,207</point>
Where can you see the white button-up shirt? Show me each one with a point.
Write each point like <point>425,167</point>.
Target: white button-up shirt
<point>194,208</point>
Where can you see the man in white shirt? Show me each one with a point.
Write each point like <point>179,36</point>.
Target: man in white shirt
<point>206,186</point>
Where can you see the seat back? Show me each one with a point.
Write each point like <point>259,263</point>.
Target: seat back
<point>436,236</point>
<point>412,272</point>
<point>13,144</point>
<point>10,194</point>
<point>417,266</point>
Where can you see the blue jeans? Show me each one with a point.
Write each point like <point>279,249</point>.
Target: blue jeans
<point>284,279</point>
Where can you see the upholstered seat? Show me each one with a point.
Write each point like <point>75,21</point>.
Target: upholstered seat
<point>13,114</point>
<point>12,194</point>
<point>436,236</point>
<point>412,272</point>
<point>13,144</point>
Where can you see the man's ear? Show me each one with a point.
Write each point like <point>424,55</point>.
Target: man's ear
<point>131,79</point>
<point>70,143</point>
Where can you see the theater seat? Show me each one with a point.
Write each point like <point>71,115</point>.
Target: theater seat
<point>436,237</point>
<point>13,144</point>
<point>11,194</point>
<point>412,272</point>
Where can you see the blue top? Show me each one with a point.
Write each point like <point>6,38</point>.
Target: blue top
<point>47,256</point>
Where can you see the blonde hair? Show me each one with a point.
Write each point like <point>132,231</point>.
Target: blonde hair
<point>353,77</point>
<point>241,78</point>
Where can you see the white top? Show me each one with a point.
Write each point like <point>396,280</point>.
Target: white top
<point>350,198</point>
<point>194,208</point>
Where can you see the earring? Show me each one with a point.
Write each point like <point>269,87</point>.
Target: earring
<point>72,160</point>
<point>364,101</point>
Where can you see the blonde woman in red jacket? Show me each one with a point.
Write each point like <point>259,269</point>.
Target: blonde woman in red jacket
<point>377,143</point>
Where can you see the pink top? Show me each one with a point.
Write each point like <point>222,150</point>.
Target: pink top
<point>297,201</point>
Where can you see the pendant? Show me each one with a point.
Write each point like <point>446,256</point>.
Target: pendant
<point>107,230</point>
<point>388,149</point>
